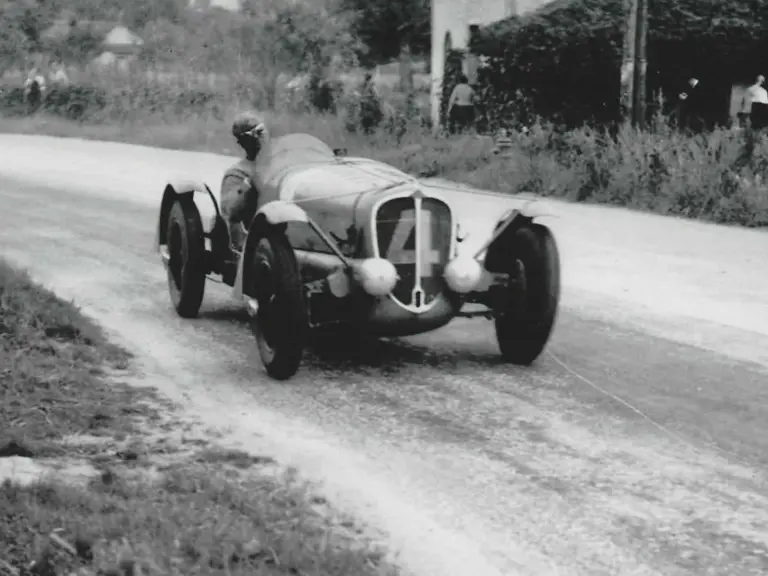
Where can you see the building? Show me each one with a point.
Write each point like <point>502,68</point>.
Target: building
<point>122,42</point>
<point>451,24</point>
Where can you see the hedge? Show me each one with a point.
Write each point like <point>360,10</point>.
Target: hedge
<point>566,57</point>
<point>87,101</point>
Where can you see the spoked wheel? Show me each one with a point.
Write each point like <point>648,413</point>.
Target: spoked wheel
<point>281,324</point>
<point>186,258</point>
<point>524,323</point>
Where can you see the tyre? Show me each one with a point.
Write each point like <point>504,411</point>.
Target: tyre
<point>186,258</point>
<point>524,323</point>
<point>281,324</point>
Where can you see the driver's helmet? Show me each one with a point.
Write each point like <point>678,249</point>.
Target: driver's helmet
<point>249,124</point>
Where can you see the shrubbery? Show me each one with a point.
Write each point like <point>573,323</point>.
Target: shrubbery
<point>560,64</point>
<point>91,102</point>
<point>662,170</point>
<point>566,57</point>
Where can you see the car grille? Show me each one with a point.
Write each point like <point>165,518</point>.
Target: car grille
<point>421,278</point>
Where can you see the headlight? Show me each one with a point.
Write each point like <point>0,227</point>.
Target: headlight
<point>463,274</point>
<point>377,276</point>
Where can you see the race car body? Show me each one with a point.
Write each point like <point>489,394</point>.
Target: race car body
<point>358,246</point>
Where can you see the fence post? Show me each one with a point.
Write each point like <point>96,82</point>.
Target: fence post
<point>627,94</point>
<point>641,67</point>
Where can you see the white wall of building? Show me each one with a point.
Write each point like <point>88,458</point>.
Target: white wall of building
<point>454,17</point>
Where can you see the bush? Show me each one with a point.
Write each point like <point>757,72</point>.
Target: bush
<point>566,57</point>
<point>118,102</point>
<point>662,170</point>
<point>71,102</point>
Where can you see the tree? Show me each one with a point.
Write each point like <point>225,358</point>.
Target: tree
<point>386,27</point>
<point>23,23</point>
<point>293,38</point>
<point>137,14</point>
<point>566,56</point>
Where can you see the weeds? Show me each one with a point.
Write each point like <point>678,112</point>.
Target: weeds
<point>660,170</point>
<point>117,485</point>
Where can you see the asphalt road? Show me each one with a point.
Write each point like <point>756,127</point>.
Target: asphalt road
<point>636,445</point>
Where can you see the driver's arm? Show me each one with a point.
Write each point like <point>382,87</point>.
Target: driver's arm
<point>238,196</point>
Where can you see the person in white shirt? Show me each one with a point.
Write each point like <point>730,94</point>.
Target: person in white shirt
<point>753,115</point>
<point>753,104</point>
<point>59,75</point>
<point>461,106</point>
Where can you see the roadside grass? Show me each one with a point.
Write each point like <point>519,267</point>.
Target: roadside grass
<point>660,171</point>
<point>101,477</point>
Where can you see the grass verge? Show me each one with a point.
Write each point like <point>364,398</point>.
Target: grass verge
<point>99,477</point>
<point>660,171</point>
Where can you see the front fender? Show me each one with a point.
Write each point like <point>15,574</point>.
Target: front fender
<point>533,208</point>
<point>492,250</point>
<point>280,212</point>
<point>199,193</point>
<point>273,213</point>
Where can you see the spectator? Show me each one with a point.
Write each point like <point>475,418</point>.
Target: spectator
<point>695,106</point>
<point>461,106</point>
<point>371,114</point>
<point>34,89</point>
<point>59,75</point>
<point>752,113</point>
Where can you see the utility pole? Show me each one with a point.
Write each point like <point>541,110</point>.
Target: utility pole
<point>627,95</point>
<point>641,64</point>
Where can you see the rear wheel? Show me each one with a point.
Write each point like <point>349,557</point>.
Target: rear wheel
<point>525,321</point>
<point>186,258</point>
<point>281,324</point>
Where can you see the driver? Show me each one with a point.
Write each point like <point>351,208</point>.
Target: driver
<point>239,193</point>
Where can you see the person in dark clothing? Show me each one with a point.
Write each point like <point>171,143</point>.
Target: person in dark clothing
<point>239,188</point>
<point>371,114</point>
<point>698,106</point>
<point>34,88</point>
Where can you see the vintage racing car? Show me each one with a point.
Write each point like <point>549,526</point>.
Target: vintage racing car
<point>355,246</point>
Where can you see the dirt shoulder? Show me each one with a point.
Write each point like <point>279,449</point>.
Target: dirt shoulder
<point>103,477</point>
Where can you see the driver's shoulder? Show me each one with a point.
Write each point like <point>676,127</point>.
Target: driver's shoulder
<point>241,169</point>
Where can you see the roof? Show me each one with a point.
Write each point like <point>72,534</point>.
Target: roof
<point>121,36</point>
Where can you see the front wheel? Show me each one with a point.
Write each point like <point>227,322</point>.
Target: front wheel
<point>186,258</point>
<point>281,324</point>
<point>524,323</point>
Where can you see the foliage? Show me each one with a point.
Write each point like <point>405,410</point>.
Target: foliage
<point>660,170</point>
<point>120,102</point>
<point>566,56</point>
<point>266,39</point>
<point>20,33</point>
<point>388,26</point>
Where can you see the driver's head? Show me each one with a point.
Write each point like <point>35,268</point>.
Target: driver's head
<point>250,131</point>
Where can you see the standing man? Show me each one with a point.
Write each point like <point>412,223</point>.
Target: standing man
<point>752,112</point>
<point>753,116</point>
<point>34,88</point>
<point>59,77</point>
<point>461,106</point>
<point>697,105</point>
<point>371,113</point>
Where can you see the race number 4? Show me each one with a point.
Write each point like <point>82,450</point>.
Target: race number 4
<point>406,225</point>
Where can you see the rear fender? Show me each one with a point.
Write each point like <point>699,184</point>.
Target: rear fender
<point>199,193</point>
<point>275,215</point>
